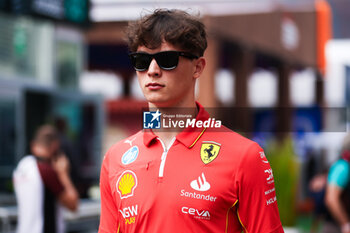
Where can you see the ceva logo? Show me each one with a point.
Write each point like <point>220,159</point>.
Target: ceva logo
<point>199,214</point>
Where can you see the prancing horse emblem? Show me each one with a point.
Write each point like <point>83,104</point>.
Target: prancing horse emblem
<point>209,151</point>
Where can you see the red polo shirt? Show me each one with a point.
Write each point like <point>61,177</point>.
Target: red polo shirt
<point>205,181</point>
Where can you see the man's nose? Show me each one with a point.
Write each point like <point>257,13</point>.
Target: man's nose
<point>154,70</point>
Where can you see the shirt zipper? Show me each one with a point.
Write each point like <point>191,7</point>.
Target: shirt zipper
<point>164,155</point>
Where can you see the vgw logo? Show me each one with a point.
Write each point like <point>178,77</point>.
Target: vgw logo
<point>151,120</point>
<point>129,214</point>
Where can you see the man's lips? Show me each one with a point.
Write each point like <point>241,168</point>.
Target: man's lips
<point>154,86</point>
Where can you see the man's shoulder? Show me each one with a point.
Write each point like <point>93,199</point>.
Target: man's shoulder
<point>27,159</point>
<point>341,165</point>
<point>133,140</point>
<point>339,173</point>
<point>27,162</point>
<point>235,145</point>
<point>229,137</point>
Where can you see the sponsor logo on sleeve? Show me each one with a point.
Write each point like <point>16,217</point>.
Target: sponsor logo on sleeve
<point>269,178</point>
<point>130,155</point>
<point>270,194</point>
<point>209,151</point>
<point>263,157</point>
<point>126,184</point>
<point>129,214</point>
<point>271,200</point>
<point>130,141</point>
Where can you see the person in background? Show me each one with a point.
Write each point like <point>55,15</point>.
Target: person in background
<point>317,189</point>
<point>193,179</point>
<point>68,148</point>
<point>42,184</point>
<point>337,197</point>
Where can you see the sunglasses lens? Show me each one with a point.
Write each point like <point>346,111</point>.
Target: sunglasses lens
<point>167,60</point>
<point>140,61</point>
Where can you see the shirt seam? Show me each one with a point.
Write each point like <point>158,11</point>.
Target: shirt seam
<point>235,174</point>
<point>240,221</point>
<point>200,135</point>
<point>228,211</point>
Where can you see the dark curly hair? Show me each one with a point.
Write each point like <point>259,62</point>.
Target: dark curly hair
<point>173,26</point>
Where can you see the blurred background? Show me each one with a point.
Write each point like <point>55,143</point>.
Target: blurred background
<point>278,71</point>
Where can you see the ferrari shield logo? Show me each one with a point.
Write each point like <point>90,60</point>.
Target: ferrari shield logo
<point>209,151</point>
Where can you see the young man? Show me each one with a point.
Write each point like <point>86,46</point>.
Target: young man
<point>40,180</point>
<point>190,180</point>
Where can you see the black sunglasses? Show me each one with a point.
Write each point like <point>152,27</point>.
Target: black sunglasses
<point>167,60</point>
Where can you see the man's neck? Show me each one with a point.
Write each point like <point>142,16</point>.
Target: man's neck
<point>171,116</point>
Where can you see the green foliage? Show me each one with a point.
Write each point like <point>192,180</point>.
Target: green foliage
<point>286,175</point>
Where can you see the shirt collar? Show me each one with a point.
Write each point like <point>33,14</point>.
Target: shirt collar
<point>188,136</point>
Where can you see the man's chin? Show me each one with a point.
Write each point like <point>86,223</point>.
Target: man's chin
<point>160,103</point>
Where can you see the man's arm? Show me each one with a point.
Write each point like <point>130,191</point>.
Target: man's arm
<point>257,203</point>
<point>69,197</point>
<point>338,179</point>
<point>109,211</point>
<point>334,204</point>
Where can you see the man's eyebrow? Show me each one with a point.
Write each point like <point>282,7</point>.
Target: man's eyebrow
<point>141,50</point>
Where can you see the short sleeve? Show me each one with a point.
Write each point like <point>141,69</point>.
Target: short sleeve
<point>257,204</point>
<point>339,174</point>
<point>50,178</point>
<point>109,211</point>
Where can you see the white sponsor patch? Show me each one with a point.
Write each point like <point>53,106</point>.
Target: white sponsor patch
<point>198,196</point>
<point>198,214</point>
<point>129,214</point>
<point>201,184</point>
<point>130,155</point>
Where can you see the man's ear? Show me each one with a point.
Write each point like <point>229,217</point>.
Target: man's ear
<point>200,64</point>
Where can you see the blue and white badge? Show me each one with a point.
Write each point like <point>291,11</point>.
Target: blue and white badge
<point>151,120</point>
<point>130,155</point>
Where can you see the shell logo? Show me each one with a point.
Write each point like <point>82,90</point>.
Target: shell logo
<point>126,184</point>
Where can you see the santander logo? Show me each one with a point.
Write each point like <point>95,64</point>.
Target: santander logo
<point>200,184</point>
